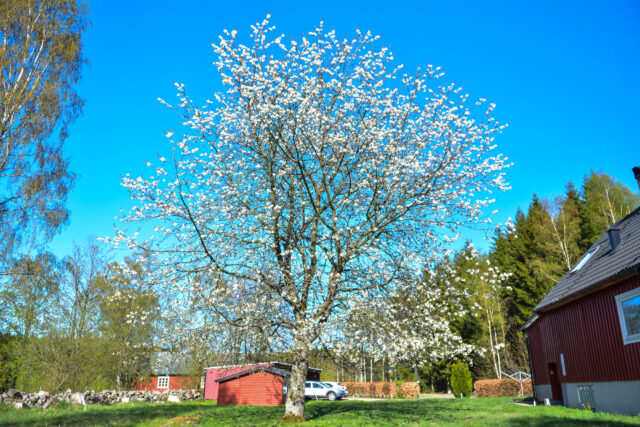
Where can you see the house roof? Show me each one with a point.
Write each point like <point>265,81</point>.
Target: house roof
<point>529,322</point>
<point>279,372</point>
<point>259,364</point>
<point>602,267</point>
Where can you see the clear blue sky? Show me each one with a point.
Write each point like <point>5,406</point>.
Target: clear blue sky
<point>564,75</point>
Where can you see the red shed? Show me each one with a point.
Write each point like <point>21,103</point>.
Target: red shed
<point>262,385</point>
<point>214,373</point>
<point>584,338</point>
<point>163,382</point>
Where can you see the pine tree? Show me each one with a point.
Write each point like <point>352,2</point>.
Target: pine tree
<point>525,254</point>
<point>510,254</point>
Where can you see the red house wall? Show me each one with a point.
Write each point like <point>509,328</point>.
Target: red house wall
<point>259,388</point>
<point>213,374</point>
<point>175,383</point>
<point>587,331</point>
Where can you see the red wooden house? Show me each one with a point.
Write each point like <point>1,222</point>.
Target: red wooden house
<point>214,373</point>
<point>163,382</point>
<point>584,337</point>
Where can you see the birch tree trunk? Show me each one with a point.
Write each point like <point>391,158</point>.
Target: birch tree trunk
<point>371,369</point>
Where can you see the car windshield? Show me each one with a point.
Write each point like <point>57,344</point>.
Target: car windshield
<point>327,385</point>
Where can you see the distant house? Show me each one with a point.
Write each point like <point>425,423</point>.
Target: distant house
<point>215,373</point>
<point>584,336</point>
<point>163,382</point>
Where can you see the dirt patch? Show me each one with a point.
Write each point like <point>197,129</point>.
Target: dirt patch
<point>183,420</point>
<point>292,419</point>
<point>436,396</point>
<point>366,399</point>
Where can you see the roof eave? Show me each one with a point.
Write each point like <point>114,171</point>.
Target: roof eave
<point>275,371</point>
<point>529,322</point>
<point>633,270</point>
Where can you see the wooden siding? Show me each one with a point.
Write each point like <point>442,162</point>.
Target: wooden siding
<point>211,386</point>
<point>587,331</point>
<point>175,383</point>
<point>213,374</point>
<point>259,388</point>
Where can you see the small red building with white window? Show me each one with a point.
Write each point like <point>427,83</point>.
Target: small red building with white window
<point>584,336</point>
<point>163,382</point>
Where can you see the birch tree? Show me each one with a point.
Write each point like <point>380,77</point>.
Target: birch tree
<point>40,62</point>
<point>566,228</point>
<point>488,297</point>
<point>28,297</point>
<point>322,172</point>
<point>129,313</point>
<point>606,201</point>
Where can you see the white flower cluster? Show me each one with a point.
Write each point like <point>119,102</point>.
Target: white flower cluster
<point>318,180</point>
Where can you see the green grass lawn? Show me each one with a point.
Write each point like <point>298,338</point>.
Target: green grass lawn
<point>487,411</point>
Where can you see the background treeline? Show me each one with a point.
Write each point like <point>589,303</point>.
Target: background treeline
<point>77,323</point>
<point>86,322</point>
<point>526,259</point>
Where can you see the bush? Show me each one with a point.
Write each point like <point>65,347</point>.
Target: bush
<point>410,390</point>
<point>461,381</point>
<point>499,388</point>
<point>383,389</point>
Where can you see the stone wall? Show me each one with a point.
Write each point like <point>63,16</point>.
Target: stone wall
<point>45,400</point>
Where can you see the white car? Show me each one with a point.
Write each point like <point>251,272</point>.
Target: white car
<point>337,385</point>
<point>318,390</point>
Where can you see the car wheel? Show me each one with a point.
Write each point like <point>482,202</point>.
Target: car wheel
<point>331,396</point>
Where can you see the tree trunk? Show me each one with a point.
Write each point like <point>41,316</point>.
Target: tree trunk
<point>362,371</point>
<point>294,405</point>
<point>371,369</point>
<point>498,354</point>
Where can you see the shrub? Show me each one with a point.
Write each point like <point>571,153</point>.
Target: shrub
<point>383,389</point>
<point>461,381</point>
<point>410,390</point>
<point>499,388</point>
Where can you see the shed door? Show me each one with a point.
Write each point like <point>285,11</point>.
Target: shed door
<point>554,380</point>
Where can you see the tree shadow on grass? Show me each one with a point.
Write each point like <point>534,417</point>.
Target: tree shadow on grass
<point>434,411</point>
<point>95,415</point>
<point>384,412</point>
<point>551,420</point>
<point>360,413</point>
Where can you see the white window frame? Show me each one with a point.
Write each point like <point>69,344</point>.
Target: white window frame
<point>584,259</point>
<point>626,338</point>
<point>163,378</point>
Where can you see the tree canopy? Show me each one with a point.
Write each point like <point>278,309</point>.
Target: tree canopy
<point>40,62</point>
<point>321,175</point>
